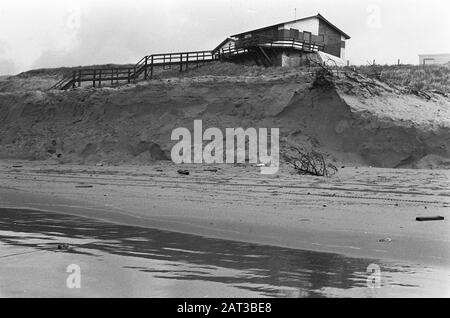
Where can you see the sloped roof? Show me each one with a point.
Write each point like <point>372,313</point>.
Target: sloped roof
<point>222,43</point>
<point>318,16</point>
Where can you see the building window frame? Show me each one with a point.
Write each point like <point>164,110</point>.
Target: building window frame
<point>309,36</point>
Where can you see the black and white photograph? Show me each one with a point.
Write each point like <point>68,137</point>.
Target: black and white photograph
<point>224,154</point>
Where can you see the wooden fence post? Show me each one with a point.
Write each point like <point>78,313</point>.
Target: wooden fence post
<point>181,62</point>
<point>145,70</point>
<point>151,68</point>
<point>93,79</point>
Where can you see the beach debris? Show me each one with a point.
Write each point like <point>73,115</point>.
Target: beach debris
<point>261,165</point>
<point>211,169</point>
<point>84,186</point>
<point>385,240</point>
<point>64,247</point>
<point>100,164</point>
<point>430,218</point>
<point>312,163</point>
<point>183,172</point>
<point>17,166</point>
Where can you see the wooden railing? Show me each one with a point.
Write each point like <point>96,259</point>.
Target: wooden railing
<point>230,52</point>
<point>183,60</point>
<point>280,42</point>
<point>144,68</point>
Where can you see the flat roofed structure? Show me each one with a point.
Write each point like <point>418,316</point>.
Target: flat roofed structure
<point>427,59</point>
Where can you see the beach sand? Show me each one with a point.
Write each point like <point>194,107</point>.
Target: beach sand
<point>364,213</point>
<point>348,213</point>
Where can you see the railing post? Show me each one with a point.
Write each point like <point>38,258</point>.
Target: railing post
<point>99,78</point>
<point>79,78</point>
<point>151,68</point>
<point>112,76</point>
<point>181,62</point>
<point>128,77</point>
<point>93,79</point>
<point>145,70</point>
<point>74,76</point>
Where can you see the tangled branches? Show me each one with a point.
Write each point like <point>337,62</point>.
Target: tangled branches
<point>312,163</point>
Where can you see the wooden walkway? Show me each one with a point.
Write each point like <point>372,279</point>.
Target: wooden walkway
<point>144,69</point>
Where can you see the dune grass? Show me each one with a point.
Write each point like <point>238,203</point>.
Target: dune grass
<point>430,77</point>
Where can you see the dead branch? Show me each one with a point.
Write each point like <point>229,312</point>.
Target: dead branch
<point>311,163</point>
<point>376,73</point>
<point>325,68</point>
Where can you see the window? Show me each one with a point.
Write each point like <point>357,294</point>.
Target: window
<point>294,33</point>
<point>307,36</point>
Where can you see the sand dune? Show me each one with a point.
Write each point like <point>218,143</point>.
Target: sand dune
<point>362,122</point>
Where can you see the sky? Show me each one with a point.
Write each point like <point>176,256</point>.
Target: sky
<point>53,33</point>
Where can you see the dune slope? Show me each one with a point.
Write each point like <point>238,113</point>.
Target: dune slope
<point>361,122</point>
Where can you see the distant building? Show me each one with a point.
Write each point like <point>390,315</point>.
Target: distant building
<point>290,43</point>
<point>426,59</point>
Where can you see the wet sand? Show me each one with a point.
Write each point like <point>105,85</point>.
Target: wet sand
<point>119,260</point>
<point>347,214</point>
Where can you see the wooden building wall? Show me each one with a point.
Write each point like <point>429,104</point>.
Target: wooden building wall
<point>332,38</point>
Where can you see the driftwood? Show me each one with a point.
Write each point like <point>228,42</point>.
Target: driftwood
<point>311,163</point>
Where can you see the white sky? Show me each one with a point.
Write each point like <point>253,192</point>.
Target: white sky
<point>50,33</point>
